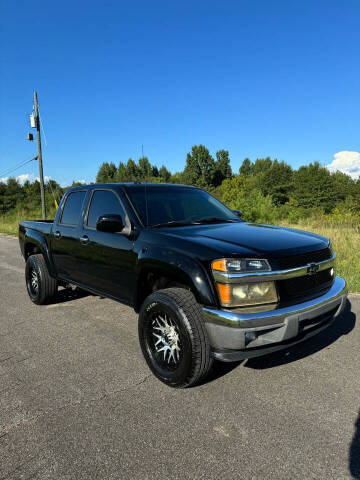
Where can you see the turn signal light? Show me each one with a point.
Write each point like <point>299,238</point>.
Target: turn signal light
<point>219,265</point>
<point>224,293</point>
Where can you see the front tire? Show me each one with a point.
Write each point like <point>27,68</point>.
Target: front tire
<point>173,338</point>
<point>41,287</point>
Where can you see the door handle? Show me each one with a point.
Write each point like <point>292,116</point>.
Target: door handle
<point>84,240</point>
<point>57,234</point>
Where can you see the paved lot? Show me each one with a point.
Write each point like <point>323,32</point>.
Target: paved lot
<point>77,400</point>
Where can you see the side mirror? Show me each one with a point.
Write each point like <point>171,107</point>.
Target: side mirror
<point>238,213</point>
<point>110,223</point>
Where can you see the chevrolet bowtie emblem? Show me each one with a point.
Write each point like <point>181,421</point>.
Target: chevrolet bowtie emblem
<point>312,268</point>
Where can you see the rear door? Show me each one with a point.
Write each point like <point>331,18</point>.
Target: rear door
<point>65,244</point>
<point>107,260</point>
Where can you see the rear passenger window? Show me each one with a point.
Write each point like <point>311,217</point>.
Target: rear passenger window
<point>72,209</point>
<point>103,202</point>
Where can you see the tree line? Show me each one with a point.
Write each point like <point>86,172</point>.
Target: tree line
<point>265,189</point>
<point>201,169</point>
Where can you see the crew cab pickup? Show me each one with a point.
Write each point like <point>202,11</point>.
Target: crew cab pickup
<point>206,284</point>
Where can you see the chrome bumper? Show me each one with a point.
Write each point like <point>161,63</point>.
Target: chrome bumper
<point>250,333</point>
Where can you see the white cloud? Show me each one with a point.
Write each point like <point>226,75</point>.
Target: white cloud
<point>346,162</point>
<point>68,184</point>
<point>24,178</point>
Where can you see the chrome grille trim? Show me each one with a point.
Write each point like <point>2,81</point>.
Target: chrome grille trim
<point>224,277</point>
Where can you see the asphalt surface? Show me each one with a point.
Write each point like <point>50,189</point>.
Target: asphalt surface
<point>78,401</point>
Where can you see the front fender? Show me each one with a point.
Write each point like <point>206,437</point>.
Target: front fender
<point>181,267</point>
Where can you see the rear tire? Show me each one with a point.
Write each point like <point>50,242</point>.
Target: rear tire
<point>173,337</point>
<point>41,287</point>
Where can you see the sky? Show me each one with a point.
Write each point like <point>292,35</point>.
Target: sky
<point>258,78</point>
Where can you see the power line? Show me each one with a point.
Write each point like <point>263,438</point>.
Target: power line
<point>42,128</point>
<point>16,167</point>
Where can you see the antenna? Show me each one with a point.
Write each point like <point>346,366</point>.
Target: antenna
<point>146,206</point>
<point>142,151</point>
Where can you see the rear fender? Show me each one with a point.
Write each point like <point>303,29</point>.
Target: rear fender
<point>31,240</point>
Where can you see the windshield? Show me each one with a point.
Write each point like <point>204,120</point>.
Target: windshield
<point>177,206</point>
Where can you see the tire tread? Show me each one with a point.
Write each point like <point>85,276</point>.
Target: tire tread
<point>48,284</point>
<point>192,314</point>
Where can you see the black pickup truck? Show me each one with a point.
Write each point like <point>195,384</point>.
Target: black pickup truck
<point>206,284</point>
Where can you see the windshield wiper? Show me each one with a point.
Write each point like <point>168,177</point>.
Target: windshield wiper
<point>184,223</point>
<point>215,220</point>
<point>173,223</point>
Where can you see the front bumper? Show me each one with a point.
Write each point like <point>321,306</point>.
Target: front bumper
<point>235,336</point>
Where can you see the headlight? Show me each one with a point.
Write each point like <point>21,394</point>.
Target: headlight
<point>241,265</point>
<point>245,294</point>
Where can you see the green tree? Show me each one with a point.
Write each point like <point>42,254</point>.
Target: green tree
<point>154,171</point>
<point>132,171</point>
<point>32,197</point>
<point>121,173</point>
<point>107,173</point>
<point>13,194</point>
<point>246,168</point>
<point>164,173</point>
<point>200,167</point>
<point>2,197</point>
<point>344,186</point>
<point>177,177</point>
<point>277,181</point>
<point>356,195</point>
<point>241,193</point>
<point>261,165</point>
<point>313,188</point>
<point>144,168</point>
<point>222,167</point>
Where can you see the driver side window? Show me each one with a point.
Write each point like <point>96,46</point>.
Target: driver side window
<point>103,202</point>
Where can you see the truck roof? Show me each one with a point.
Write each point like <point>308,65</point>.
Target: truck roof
<point>130,184</point>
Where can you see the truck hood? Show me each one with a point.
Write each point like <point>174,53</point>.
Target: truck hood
<point>251,238</point>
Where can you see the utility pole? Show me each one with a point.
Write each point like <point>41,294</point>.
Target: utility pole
<point>42,190</point>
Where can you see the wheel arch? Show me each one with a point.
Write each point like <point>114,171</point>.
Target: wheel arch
<point>34,243</point>
<point>156,271</point>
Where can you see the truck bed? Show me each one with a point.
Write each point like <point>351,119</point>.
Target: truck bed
<point>43,226</point>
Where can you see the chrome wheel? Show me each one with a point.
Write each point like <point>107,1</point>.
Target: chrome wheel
<point>167,345</point>
<point>34,281</point>
<point>173,338</point>
<point>41,287</point>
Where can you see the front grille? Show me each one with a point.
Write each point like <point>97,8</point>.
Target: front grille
<point>302,259</point>
<point>305,286</point>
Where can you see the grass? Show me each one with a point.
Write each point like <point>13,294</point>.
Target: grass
<point>8,227</point>
<point>345,240</point>
<point>346,243</point>
<point>9,223</point>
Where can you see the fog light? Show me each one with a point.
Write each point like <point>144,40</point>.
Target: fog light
<point>332,272</point>
<point>250,337</point>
